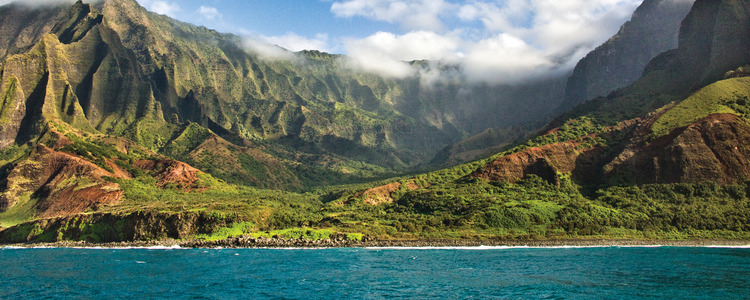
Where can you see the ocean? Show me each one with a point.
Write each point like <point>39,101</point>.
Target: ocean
<point>362,273</point>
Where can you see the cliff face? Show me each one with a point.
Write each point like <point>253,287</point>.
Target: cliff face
<point>139,226</point>
<point>713,41</point>
<point>620,61</point>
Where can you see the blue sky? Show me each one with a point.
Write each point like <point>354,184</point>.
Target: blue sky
<point>494,40</point>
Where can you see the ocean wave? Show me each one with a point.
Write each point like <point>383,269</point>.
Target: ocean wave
<point>156,247</point>
<point>11,247</point>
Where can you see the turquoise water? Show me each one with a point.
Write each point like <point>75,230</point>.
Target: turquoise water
<point>548,273</point>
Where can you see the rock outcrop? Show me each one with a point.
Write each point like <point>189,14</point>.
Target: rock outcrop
<point>715,148</point>
<point>100,227</point>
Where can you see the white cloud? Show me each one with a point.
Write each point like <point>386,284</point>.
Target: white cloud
<point>412,14</point>
<point>281,47</point>
<point>163,7</point>
<point>499,41</point>
<point>551,25</point>
<point>504,58</point>
<point>209,13</point>
<point>386,53</point>
<point>266,50</point>
<point>294,42</point>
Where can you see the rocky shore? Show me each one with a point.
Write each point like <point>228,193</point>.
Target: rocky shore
<point>265,242</point>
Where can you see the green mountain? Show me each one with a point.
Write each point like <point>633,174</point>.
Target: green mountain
<point>95,113</point>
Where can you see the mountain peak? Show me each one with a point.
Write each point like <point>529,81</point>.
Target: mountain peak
<point>80,19</point>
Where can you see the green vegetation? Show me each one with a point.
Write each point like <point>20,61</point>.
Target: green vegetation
<point>246,228</point>
<point>236,229</point>
<point>535,209</point>
<point>12,153</point>
<point>22,212</point>
<point>584,130</point>
<point>94,152</point>
<point>709,100</point>
<point>739,103</point>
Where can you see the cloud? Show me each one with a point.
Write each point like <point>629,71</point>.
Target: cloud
<point>493,41</point>
<point>163,7</point>
<point>412,14</point>
<point>387,54</point>
<point>294,42</point>
<point>266,50</point>
<point>551,25</point>
<point>209,13</point>
<point>504,58</point>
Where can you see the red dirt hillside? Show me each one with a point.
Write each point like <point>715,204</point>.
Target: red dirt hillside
<point>170,172</point>
<point>545,161</point>
<point>64,183</point>
<point>715,148</point>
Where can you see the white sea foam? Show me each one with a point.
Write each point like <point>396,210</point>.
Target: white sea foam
<point>511,247</point>
<point>729,247</point>
<point>163,247</point>
<point>448,248</point>
<point>157,247</point>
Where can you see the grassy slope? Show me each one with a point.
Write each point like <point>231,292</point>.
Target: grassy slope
<point>706,101</point>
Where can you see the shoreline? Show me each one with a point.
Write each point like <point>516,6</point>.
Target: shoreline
<point>274,243</point>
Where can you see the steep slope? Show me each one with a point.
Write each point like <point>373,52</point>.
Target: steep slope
<point>653,29</point>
